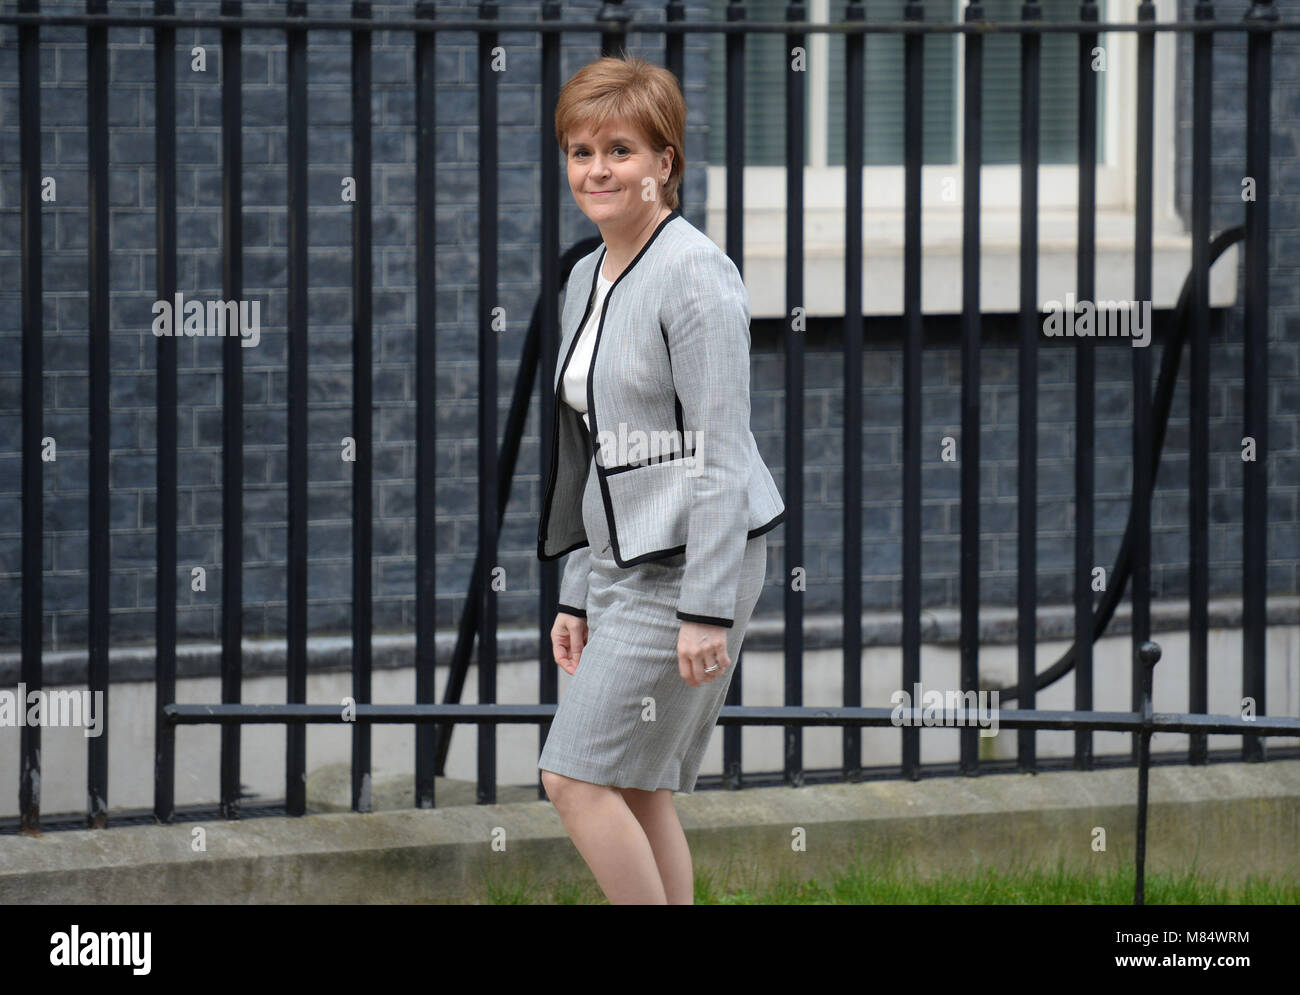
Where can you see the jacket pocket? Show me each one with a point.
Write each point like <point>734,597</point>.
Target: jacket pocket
<point>651,504</point>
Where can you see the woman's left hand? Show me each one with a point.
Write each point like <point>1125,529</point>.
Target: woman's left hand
<point>700,646</point>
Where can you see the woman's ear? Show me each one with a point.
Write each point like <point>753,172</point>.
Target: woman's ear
<point>669,154</point>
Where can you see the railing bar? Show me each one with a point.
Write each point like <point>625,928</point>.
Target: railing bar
<point>164,769</point>
<point>1144,661</point>
<point>419,27</point>
<point>794,394</point>
<point>296,588</point>
<point>734,45</point>
<point>488,471</point>
<point>1085,386</point>
<point>1027,470</point>
<point>969,581</point>
<point>675,62</point>
<point>33,318</point>
<point>99,365</point>
<point>548,675</point>
<point>854,154</point>
<point>426,423</point>
<point>232,398</point>
<point>612,22</point>
<point>1259,70</point>
<point>362,400</point>
<point>913,68</point>
<point>1198,484</point>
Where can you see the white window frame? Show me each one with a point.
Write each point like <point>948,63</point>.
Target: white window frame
<point>883,187</point>
<point>999,185</point>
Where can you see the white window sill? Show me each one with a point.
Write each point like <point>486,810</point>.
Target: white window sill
<point>941,264</point>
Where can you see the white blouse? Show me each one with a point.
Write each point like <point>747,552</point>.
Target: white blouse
<point>574,390</point>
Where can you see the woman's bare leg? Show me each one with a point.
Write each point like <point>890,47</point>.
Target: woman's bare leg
<point>610,839</point>
<point>658,817</point>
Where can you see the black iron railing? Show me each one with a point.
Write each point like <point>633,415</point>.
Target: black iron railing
<point>435,722</point>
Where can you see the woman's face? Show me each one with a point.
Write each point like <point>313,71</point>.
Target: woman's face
<point>615,176</point>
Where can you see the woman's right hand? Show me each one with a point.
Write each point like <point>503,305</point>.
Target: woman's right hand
<point>568,637</point>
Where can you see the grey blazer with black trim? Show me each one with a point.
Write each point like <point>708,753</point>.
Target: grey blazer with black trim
<point>668,401</point>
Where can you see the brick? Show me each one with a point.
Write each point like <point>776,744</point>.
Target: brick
<point>330,227</point>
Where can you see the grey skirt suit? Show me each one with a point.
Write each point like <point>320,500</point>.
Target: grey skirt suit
<point>627,718</point>
<point>651,544</point>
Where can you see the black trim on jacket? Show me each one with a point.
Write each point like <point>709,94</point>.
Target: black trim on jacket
<point>593,433</point>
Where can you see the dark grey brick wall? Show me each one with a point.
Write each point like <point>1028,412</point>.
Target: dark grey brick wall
<point>199,417</point>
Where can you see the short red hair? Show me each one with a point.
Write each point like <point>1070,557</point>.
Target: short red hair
<point>644,95</point>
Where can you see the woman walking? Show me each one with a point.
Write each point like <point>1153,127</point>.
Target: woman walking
<point>656,491</point>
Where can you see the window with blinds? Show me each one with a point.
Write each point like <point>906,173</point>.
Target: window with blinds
<point>1058,120</point>
<point>883,78</point>
<point>766,60</point>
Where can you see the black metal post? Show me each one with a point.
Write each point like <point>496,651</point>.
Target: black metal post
<point>1027,476</point>
<point>913,83</point>
<point>164,767</point>
<point>732,765</point>
<point>362,400</point>
<point>972,160</point>
<point>548,675</point>
<point>232,399</point>
<point>98,365</point>
<point>1144,662</point>
<point>1198,413</point>
<point>487,398</point>
<point>1254,590</point>
<point>855,94</point>
<point>33,619</point>
<point>613,19</point>
<point>1140,592</point>
<point>795,305</point>
<point>295,775</point>
<point>1085,385</point>
<point>426,422</point>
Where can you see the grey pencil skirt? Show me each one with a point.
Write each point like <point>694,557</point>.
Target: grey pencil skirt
<point>626,717</point>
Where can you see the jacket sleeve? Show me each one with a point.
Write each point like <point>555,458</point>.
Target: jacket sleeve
<point>706,320</point>
<point>573,585</point>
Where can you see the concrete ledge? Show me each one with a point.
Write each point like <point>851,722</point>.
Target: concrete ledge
<point>1230,821</point>
<point>824,630</point>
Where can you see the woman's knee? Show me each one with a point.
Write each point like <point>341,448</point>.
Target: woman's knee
<point>563,790</point>
<point>553,783</point>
